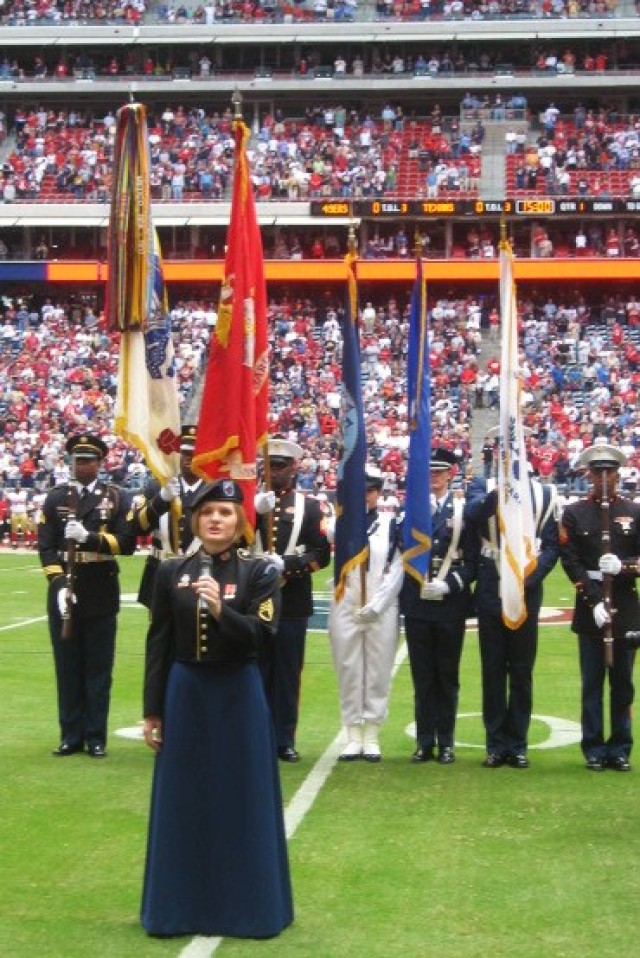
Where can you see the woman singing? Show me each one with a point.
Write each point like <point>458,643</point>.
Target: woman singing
<point>216,857</point>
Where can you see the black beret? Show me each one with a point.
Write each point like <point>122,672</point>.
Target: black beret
<point>222,490</point>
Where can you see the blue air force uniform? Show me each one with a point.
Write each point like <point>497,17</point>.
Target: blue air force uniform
<point>435,625</point>
<point>508,655</point>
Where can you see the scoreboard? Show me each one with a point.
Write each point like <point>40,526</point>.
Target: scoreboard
<point>446,208</point>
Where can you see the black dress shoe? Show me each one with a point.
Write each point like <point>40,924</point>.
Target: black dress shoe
<point>493,760</point>
<point>422,755</point>
<point>446,756</point>
<point>288,754</point>
<point>64,749</point>
<point>595,764</point>
<point>97,751</point>
<point>519,760</point>
<point>619,763</point>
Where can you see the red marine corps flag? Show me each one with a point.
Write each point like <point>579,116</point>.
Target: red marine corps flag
<point>233,414</point>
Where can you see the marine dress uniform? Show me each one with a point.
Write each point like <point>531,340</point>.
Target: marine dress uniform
<point>216,855</point>
<point>435,617</point>
<point>583,561</point>
<point>88,517</point>
<point>300,542</point>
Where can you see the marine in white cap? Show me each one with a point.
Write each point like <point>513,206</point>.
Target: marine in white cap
<point>600,543</point>
<point>292,534</point>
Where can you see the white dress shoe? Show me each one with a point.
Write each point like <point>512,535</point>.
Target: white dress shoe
<point>371,752</point>
<point>352,751</point>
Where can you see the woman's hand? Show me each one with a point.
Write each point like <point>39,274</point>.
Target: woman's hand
<point>152,729</point>
<point>208,590</point>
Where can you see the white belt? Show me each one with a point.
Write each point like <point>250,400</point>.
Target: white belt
<point>594,574</point>
<point>488,552</point>
<point>81,557</point>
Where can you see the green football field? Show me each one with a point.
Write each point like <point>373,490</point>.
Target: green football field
<point>387,860</point>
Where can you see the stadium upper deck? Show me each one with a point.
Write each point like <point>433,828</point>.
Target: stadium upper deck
<point>378,55</point>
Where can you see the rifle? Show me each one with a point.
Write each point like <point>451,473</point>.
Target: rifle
<point>71,547</point>
<point>607,578</point>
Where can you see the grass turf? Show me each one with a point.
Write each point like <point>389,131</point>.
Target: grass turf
<point>394,859</point>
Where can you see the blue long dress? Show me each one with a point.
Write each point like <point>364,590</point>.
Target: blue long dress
<point>217,859</point>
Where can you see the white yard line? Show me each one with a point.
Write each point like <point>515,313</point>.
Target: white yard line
<point>300,804</point>
<point>22,622</point>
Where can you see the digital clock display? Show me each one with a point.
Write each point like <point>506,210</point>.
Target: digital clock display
<point>536,207</point>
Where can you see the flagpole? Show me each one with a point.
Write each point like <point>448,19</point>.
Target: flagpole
<point>417,527</point>
<point>353,254</point>
<point>236,100</point>
<point>351,541</point>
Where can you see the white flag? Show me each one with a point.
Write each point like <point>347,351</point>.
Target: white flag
<point>147,412</point>
<point>515,507</point>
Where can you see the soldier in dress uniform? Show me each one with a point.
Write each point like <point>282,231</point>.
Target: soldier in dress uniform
<point>364,638</point>
<point>216,856</point>
<point>508,655</point>
<point>153,514</point>
<point>581,538</point>
<point>435,614</point>
<point>295,529</point>
<point>83,527</point>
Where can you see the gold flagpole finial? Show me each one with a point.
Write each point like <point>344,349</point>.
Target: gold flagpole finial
<point>417,243</point>
<point>503,232</point>
<point>351,239</point>
<point>236,100</point>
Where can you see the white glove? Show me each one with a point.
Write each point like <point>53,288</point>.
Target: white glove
<point>62,600</point>
<point>264,502</point>
<point>330,530</point>
<point>275,560</point>
<point>610,564</point>
<point>435,589</point>
<point>170,490</point>
<point>76,531</point>
<point>600,615</point>
<point>367,614</point>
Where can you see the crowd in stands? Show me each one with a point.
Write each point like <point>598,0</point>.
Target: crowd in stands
<point>329,152</point>
<point>58,376</point>
<point>18,13</point>
<point>595,153</point>
<point>582,376</point>
<point>135,12</point>
<point>580,364</point>
<point>493,9</point>
<point>332,151</point>
<point>309,62</point>
<point>70,153</point>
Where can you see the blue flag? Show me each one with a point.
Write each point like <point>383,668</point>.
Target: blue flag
<point>351,543</point>
<point>417,516</point>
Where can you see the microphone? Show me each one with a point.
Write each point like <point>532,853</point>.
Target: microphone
<point>205,569</point>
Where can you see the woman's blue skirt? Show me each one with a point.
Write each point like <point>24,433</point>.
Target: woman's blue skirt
<point>217,859</point>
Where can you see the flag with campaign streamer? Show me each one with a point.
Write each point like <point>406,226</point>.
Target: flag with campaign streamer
<point>515,507</point>
<point>130,249</point>
<point>233,414</point>
<point>351,542</point>
<point>416,527</point>
<point>147,409</point>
